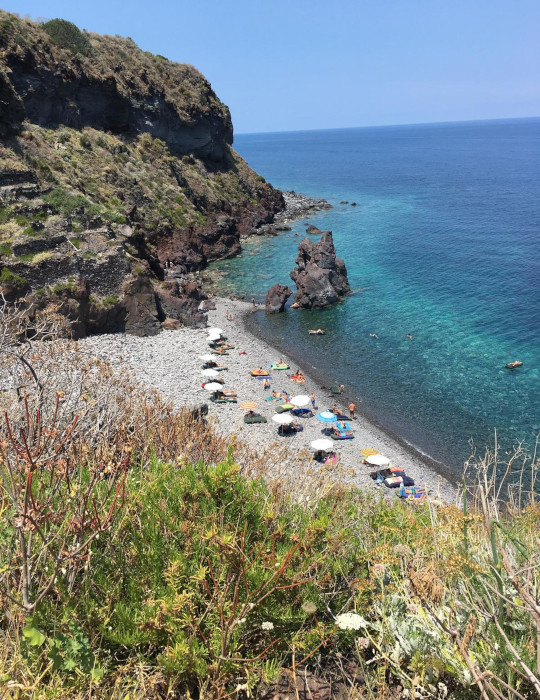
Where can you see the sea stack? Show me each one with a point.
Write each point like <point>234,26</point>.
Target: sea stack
<point>321,277</point>
<point>276,298</point>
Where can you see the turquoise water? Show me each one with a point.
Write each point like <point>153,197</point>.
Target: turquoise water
<point>444,244</point>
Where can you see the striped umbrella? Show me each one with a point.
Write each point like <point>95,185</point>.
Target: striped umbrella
<point>248,405</point>
<point>368,451</point>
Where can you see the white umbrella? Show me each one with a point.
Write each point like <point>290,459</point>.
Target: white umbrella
<point>209,373</point>
<point>213,386</point>
<point>214,336</point>
<point>213,331</point>
<point>326,417</point>
<point>378,460</point>
<point>207,358</point>
<point>283,418</point>
<point>300,401</point>
<point>322,444</point>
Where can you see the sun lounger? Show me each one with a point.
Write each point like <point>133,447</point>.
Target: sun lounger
<point>249,420</point>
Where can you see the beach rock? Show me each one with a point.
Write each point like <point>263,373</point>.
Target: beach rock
<point>180,300</point>
<point>313,229</point>
<point>320,276</point>
<point>142,317</point>
<point>276,298</point>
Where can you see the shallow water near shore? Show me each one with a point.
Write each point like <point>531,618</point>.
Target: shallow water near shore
<point>443,244</point>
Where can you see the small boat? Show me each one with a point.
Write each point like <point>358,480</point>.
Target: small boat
<point>514,365</point>
<point>319,331</point>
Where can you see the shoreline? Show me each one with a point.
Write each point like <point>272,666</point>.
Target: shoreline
<point>170,362</point>
<point>318,377</point>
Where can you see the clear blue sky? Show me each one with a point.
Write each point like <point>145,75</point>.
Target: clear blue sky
<point>293,64</point>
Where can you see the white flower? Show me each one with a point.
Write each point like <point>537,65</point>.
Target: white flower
<point>350,621</point>
<point>267,626</point>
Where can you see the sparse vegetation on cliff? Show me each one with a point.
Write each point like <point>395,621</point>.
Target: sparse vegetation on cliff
<point>115,144</point>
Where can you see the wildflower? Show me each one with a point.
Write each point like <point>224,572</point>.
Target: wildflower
<point>267,626</point>
<point>363,642</point>
<point>241,621</point>
<point>350,621</point>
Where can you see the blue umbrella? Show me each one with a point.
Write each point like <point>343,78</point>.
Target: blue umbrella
<point>326,417</point>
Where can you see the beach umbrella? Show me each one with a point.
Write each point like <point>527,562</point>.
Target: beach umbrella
<point>207,358</point>
<point>209,373</point>
<point>213,386</point>
<point>300,401</point>
<point>214,336</point>
<point>368,451</point>
<point>378,460</point>
<point>283,418</point>
<point>214,331</point>
<point>322,445</point>
<point>248,405</point>
<point>327,417</point>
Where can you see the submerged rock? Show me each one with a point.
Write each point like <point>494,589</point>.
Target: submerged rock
<point>276,298</point>
<point>320,276</point>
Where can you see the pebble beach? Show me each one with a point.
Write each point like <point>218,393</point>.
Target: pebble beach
<point>170,362</point>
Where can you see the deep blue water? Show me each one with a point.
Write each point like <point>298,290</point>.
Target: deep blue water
<point>445,245</point>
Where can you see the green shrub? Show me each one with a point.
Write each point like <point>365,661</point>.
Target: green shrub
<point>64,201</point>
<point>5,249</point>
<point>11,278</point>
<point>41,257</point>
<point>85,141</point>
<point>68,36</point>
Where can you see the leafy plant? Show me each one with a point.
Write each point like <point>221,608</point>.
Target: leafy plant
<point>68,36</point>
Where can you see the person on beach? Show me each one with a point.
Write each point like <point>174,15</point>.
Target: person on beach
<point>253,300</point>
<point>335,409</point>
<point>352,409</point>
<point>341,387</point>
<point>266,384</point>
<point>313,401</point>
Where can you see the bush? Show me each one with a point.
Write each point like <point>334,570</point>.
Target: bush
<point>65,202</point>
<point>68,36</point>
<point>11,278</point>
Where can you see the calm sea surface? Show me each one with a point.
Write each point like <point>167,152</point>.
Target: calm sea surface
<point>444,244</point>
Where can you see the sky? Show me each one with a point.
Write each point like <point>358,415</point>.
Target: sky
<point>291,65</point>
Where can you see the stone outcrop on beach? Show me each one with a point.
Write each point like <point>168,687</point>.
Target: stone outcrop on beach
<point>276,298</point>
<point>296,205</point>
<point>116,175</point>
<point>320,276</point>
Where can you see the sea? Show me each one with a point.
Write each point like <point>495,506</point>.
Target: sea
<point>443,244</point>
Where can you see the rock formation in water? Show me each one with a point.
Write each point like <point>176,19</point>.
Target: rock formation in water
<point>320,277</point>
<point>117,179</point>
<point>276,298</point>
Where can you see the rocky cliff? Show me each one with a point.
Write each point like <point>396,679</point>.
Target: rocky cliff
<point>117,178</point>
<point>320,276</point>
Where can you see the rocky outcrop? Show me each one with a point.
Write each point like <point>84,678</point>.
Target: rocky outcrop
<point>11,107</point>
<point>320,277</point>
<point>117,180</point>
<point>276,298</point>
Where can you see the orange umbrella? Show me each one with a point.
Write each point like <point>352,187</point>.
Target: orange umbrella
<point>248,405</point>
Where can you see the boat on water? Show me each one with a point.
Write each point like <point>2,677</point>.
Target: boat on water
<point>514,365</point>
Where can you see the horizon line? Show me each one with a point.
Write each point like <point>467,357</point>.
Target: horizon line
<point>385,126</point>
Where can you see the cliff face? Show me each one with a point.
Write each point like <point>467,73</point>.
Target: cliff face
<point>116,176</point>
